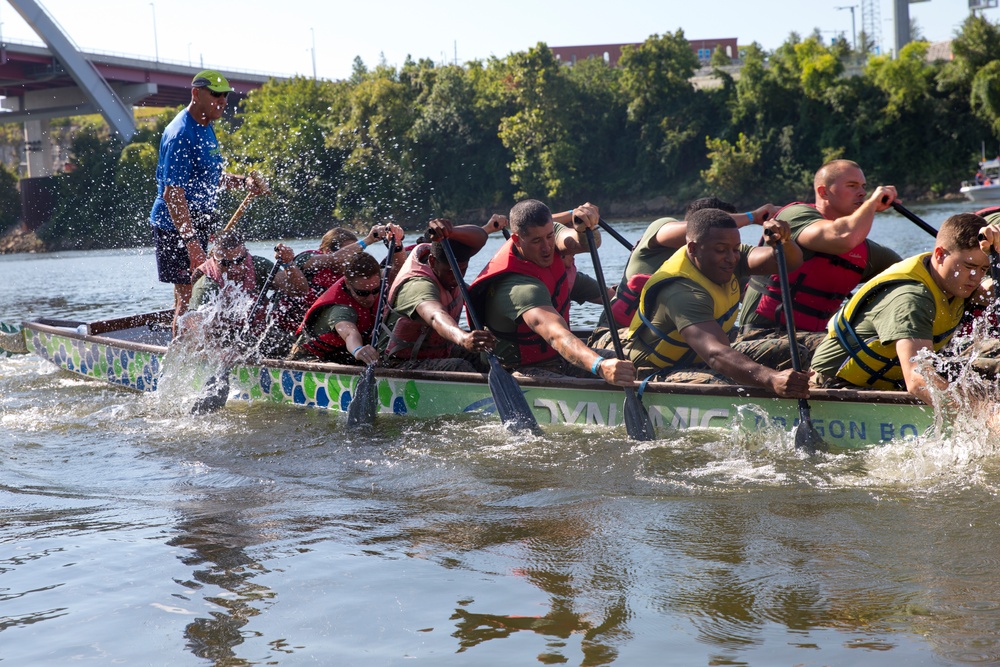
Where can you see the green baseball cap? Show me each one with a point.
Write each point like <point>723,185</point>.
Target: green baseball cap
<point>212,80</point>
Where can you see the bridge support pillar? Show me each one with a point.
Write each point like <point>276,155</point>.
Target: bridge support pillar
<point>38,149</point>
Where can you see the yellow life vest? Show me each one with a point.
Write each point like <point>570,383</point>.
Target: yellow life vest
<point>671,350</point>
<point>871,363</point>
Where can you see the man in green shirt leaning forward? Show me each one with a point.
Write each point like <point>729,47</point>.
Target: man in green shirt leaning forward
<point>877,338</point>
<point>523,294</point>
<point>425,302</point>
<point>687,310</point>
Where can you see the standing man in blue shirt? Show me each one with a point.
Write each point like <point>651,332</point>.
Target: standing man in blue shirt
<point>189,176</point>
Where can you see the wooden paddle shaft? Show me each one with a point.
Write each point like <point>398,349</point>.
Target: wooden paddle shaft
<point>265,190</point>
<point>239,213</point>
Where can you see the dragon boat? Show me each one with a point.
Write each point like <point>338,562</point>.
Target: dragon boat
<point>132,352</point>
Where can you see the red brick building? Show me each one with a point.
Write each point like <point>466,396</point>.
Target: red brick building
<point>610,53</point>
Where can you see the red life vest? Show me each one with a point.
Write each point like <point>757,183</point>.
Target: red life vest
<point>626,301</point>
<point>819,287</point>
<point>327,343</point>
<point>533,348</point>
<point>288,311</point>
<point>321,280</point>
<point>989,210</point>
<point>414,338</point>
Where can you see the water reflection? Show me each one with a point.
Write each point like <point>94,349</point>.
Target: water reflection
<point>217,532</point>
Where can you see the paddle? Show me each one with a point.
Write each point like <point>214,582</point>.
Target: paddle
<point>258,178</point>
<point>614,233</point>
<point>637,423</point>
<point>914,218</point>
<point>217,386</point>
<point>512,406</point>
<point>364,403</point>
<point>806,436</point>
<point>12,340</point>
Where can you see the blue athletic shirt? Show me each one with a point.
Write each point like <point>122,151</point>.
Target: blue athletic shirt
<point>189,158</point>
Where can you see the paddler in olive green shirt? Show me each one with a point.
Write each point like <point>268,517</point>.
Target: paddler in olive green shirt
<point>660,240</point>
<point>429,337</point>
<point>514,295</point>
<point>683,310</point>
<point>833,234</point>
<point>901,314</point>
<point>512,301</point>
<point>799,217</point>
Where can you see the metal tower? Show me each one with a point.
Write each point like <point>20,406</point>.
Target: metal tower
<point>871,23</point>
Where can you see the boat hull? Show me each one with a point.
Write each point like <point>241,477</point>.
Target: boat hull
<point>980,193</point>
<point>844,418</point>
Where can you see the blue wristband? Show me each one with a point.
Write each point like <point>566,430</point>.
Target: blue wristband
<point>361,242</point>
<point>355,352</point>
<point>750,216</point>
<point>597,364</point>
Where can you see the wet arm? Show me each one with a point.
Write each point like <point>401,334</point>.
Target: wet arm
<point>907,349</point>
<point>843,234</point>
<point>712,345</point>
<point>549,324</point>
<point>434,314</point>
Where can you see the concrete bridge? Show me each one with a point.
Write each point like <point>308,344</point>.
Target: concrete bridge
<point>58,80</point>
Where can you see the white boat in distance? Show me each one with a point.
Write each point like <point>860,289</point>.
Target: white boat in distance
<point>986,186</point>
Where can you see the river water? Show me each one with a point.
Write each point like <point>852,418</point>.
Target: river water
<point>263,535</point>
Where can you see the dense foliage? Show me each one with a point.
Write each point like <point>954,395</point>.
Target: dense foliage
<point>10,202</point>
<point>426,140</point>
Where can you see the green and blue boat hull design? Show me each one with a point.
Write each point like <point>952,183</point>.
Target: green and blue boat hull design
<point>844,418</point>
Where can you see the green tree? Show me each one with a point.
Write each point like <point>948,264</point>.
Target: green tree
<point>135,180</point>
<point>378,178</point>
<point>986,94</point>
<point>818,67</point>
<point>906,80</point>
<point>976,45</point>
<point>88,211</point>
<point>719,57</point>
<point>537,134</point>
<point>661,102</point>
<point>10,199</point>
<point>455,140</point>
<point>735,169</point>
<point>608,142</point>
<point>281,134</point>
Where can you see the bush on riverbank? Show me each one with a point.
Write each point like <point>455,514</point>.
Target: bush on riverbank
<point>424,140</point>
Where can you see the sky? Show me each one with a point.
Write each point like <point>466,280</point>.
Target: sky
<point>286,37</point>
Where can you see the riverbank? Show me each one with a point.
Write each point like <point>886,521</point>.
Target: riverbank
<point>19,240</point>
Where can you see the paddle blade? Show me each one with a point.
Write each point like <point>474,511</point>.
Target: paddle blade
<point>215,397</point>
<point>363,405</point>
<point>512,406</point>
<point>806,437</point>
<point>12,340</point>
<point>637,422</point>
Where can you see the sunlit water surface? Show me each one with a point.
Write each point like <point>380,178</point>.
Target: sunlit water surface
<point>134,534</point>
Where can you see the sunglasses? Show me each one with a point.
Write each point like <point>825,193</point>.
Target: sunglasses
<point>218,95</point>
<point>363,292</point>
<point>231,262</point>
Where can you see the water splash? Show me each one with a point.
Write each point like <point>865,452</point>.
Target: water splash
<point>213,339</point>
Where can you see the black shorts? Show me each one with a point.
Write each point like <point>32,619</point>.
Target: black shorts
<point>173,264</point>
